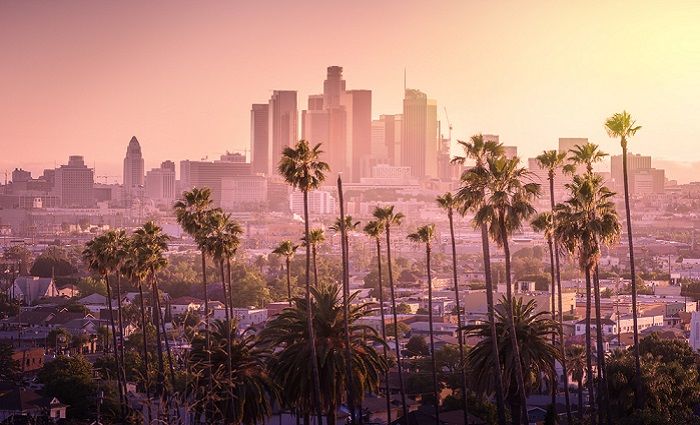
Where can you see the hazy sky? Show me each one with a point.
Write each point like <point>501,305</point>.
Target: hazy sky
<point>82,77</point>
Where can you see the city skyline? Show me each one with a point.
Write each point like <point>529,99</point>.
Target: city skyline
<point>74,94</point>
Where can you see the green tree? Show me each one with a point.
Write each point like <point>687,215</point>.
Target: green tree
<point>425,235</point>
<point>471,197</point>
<point>9,368</point>
<point>537,356</point>
<point>70,379</point>
<point>287,249</point>
<point>21,257</point>
<point>623,126</point>
<point>388,218</point>
<point>290,367</point>
<point>417,346</point>
<point>53,261</point>
<point>302,168</point>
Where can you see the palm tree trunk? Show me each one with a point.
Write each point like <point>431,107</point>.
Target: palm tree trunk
<point>383,329</point>
<point>555,381</point>
<point>289,282</point>
<point>120,377</point>
<point>310,316</point>
<point>589,362</point>
<point>230,287</point>
<point>580,400</point>
<point>155,296</point>
<point>498,380</point>
<point>436,389</point>
<point>168,352</point>
<point>402,388</point>
<point>210,384</point>
<point>145,348</point>
<point>635,332</point>
<point>346,303</point>
<point>602,382</point>
<point>120,361</point>
<point>313,256</point>
<point>460,335</point>
<point>227,413</point>
<point>560,305</point>
<point>511,324</point>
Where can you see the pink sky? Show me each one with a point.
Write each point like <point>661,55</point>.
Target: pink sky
<point>82,77</point>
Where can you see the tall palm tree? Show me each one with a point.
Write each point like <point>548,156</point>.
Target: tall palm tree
<point>191,212</point>
<point>316,237</point>
<point>585,222</point>
<point>117,241</point>
<point>151,244</point>
<point>289,368</point>
<point>554,162</point>
<point>374,229</point>
<point>302,168</point>
<point>388,218</point>
<point>471,196</point>
<point>96,255</point>
<point>287,249</point>
<point>425,235</point>
<point>576,357</point>
<point>245,395</point>
<point>449,203</point>
<point>507,204</point>
<point>623,126</point>
<point>586,154</point>
<point>532,331</point>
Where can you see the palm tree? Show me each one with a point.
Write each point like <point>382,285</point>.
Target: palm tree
<point>449,203</point>
<point>289,368</point>
<point>245,394</point>
<point>374,230</point>
<point>576,358</point>
<point>586,154</point>
<point>191,212</point>
<point>316,237</point>
<point>97,256</point>
<point>623,126</point>
<point>532,331</point>
<point>553,161</point>
<point>584,222</point>
<point>302,168</point>
<point>470,196</point>
<point>287,249</point>
<point>506,205</point>
<point>425,235</point>
<point>388,218</point>
<point>117,241</point>
<point>151,244</point>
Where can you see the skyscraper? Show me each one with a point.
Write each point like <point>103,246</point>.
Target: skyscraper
<point>341,120</point>
<point>259,137</point>
<point>133,166</point>
<point>160,183</point>
<point>419,141</point>
<point>73,184</point>
<point>283,125</point>
<point>211,174</point>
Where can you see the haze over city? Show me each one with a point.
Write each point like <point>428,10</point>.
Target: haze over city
<point>349,213</point>
<point>83,77</point>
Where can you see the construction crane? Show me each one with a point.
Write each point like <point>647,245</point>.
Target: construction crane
<point>449,125</point>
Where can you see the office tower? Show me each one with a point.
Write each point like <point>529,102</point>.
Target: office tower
<point>341,120</point>
<point>358,110</point>
<point>634,162</point>
<point>386,139</point>
<point>244,193</point>
<point>333,87</point>
<point>73,184</point>
<point>210,174</point>
<point>133,167</point>
<point>283,125</point>
<point>160,183</point>
<point>259,137</point>
<point>419,142</point>
<point>642,178</point>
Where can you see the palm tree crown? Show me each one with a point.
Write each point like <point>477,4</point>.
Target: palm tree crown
<point>621,125</point>
<point>586,154</point>
<point>301,166</point>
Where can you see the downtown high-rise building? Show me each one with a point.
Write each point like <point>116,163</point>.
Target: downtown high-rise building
<point>386,139</point>
<point>259,137</point>
<point>74,182</point>
<point>283,125</point>
<point>159,183</point>
<point>341,120</point>
<point>133,167</point>
<point>419,136</point>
